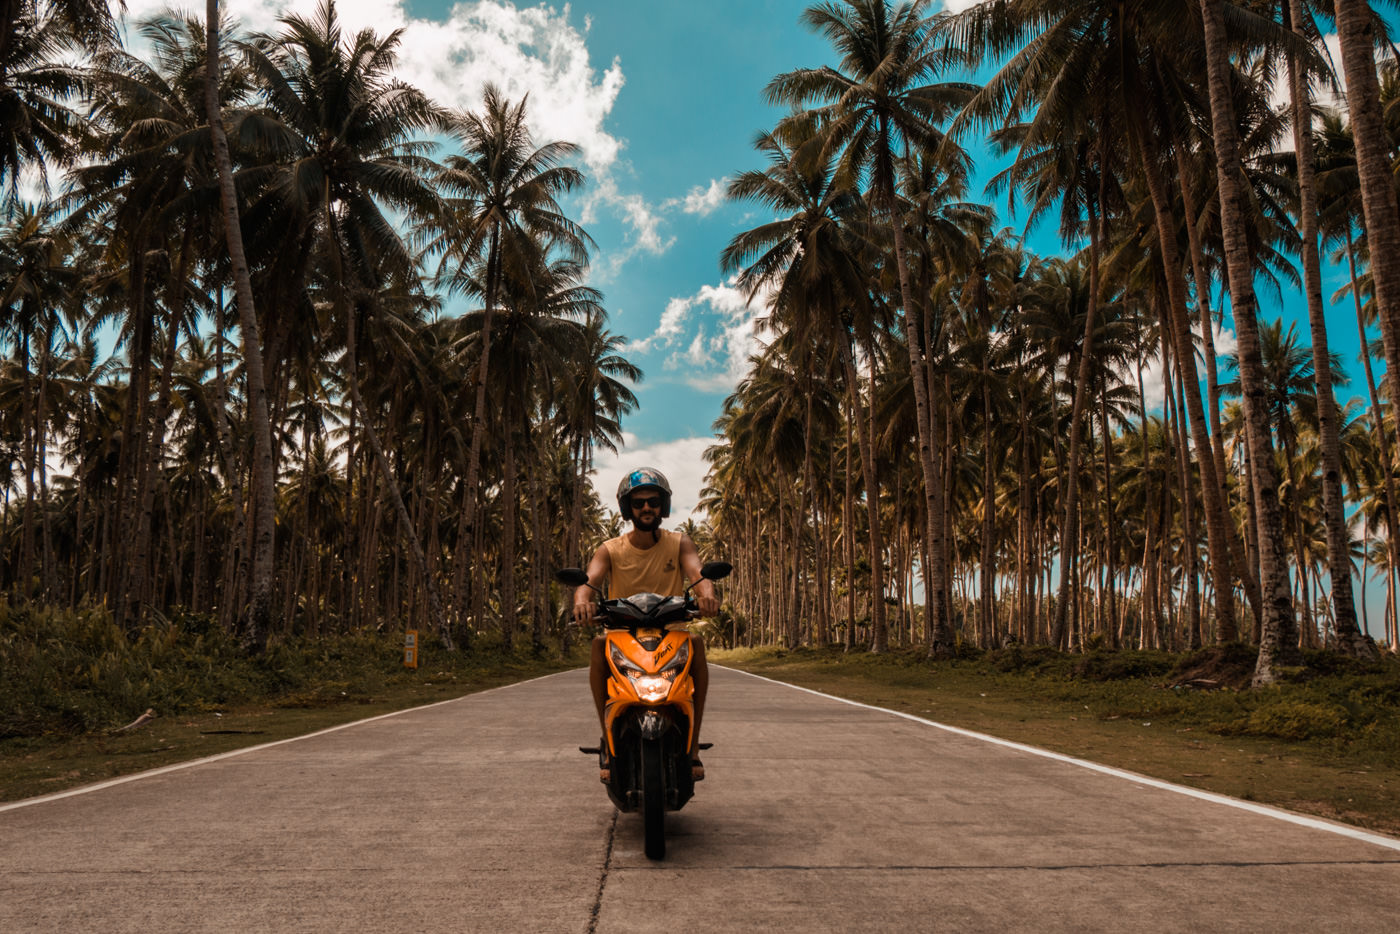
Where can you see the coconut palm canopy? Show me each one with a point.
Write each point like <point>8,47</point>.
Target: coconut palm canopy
<point>1020,321</point>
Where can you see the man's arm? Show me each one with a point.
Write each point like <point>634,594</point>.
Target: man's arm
<point>585,600</point>
<point>704,590</point>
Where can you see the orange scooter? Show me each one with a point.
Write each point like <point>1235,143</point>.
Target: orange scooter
<point>649,715</point>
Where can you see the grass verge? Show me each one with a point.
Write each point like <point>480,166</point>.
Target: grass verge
<point>1326,743</point>
<point>70,682</point>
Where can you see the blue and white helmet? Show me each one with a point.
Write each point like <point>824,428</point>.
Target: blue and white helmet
<point>641,479</point>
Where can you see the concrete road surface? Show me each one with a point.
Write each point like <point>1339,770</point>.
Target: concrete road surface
<point>479,815</point>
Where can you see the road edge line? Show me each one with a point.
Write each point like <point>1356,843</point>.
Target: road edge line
<point>1314,823</point>
<point>178,766</point>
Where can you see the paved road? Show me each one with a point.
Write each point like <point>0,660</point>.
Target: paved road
<point>479,815</point>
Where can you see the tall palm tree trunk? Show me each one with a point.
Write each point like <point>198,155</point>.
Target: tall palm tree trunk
<point>26,549</point>
<point>1069,523</point>
<point>879,636</point>
<point>386,471</point>
<point>1176,323</point>
<point>918,366</point>
<point>1110,556</point>
<point>987,636</point>
<point>1025,606</point>
<point>1381,429</point>
<point>483,367</point>
<point>1356,34</point>
<point>938,628</point>
<point>258,619</point>
<point>1243,568</point>
<point>1278,643</point>
<point>508,538</point>
<point>848,524</point>
<point>1176,391</point>
<point>1339,568</point>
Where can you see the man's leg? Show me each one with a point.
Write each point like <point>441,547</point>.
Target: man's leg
<point>598,684</point>
<point>700,674</point>
<point>598,676</point>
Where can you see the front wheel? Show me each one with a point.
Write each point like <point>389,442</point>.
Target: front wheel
<point>653,799</point>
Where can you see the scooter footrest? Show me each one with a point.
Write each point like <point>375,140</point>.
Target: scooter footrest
<point>590,750</point>
<point>706,745</point>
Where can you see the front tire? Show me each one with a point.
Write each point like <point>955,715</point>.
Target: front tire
<point>653,799</point>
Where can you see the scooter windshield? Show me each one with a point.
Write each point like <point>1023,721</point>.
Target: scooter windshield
<point>647,607</point>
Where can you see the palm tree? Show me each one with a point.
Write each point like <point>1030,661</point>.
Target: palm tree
<point>37,128</point>
<point>1278,643</point>
<point>151,181</point>
<point>344,134</point>
<point>1341,215</point>
<point>258,619</point>
<point>502,214</point>
<point>592,398</point>
<point>37,286</point>
<point>538,331</point>
<point>809,261</point>
<point>1357,34</point>
<point>1070,73</point>
<point>1293,402</point>
<point>1334,508</point>
<point>874,110</point>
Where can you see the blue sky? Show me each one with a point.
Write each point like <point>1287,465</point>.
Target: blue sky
<point>665,99</point>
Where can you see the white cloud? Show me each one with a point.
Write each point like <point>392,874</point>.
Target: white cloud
<point>707,363</point>
<point>703,201</point>
<point>253,15</point>
<point>682,461</point>
<point>698,354</point>
<point>667,330</point>
<point>642,219</point>
<point>531,50</point>
<point>957,6</point>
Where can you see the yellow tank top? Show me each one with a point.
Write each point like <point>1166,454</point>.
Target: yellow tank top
<point>652,570</point>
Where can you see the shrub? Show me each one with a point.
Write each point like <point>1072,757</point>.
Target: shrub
<point>1106,665</point>
<point>75,671</point>
<point>1296,720</point>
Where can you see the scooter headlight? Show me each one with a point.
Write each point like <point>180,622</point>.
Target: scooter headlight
<point>623,663</point>
<point>673,667</point>
<point>651,688</point>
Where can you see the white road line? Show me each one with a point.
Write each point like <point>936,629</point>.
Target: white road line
<point>137,776</point>
<point>1276,813</point>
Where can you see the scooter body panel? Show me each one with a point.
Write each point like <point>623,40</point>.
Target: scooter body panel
<point>651,700</point>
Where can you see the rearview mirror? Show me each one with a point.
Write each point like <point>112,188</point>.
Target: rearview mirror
<point>716,570</point>
<point>574,577</point>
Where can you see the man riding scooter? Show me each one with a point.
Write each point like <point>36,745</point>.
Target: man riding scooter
<point>648,559</point>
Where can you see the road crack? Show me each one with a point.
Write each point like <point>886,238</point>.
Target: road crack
<point>603,876</point>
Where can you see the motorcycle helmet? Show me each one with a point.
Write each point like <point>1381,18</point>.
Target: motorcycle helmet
<point>643,478</point>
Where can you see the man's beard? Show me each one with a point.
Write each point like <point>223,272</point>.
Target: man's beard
<point>645,525</point>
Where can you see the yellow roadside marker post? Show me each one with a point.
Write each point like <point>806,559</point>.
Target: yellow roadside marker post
<point>410,649</point>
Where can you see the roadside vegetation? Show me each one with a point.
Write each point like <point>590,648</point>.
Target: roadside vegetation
<point>1325,740</point>
<point>73,682</point>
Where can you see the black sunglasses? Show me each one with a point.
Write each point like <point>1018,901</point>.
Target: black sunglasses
<point>643,501</point>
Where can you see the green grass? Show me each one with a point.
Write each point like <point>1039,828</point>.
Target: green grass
<point>1326,743</point>
<point>69,681</point>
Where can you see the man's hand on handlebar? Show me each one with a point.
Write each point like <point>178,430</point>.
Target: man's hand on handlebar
<point>706,604</point>
<point>585,609</point>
